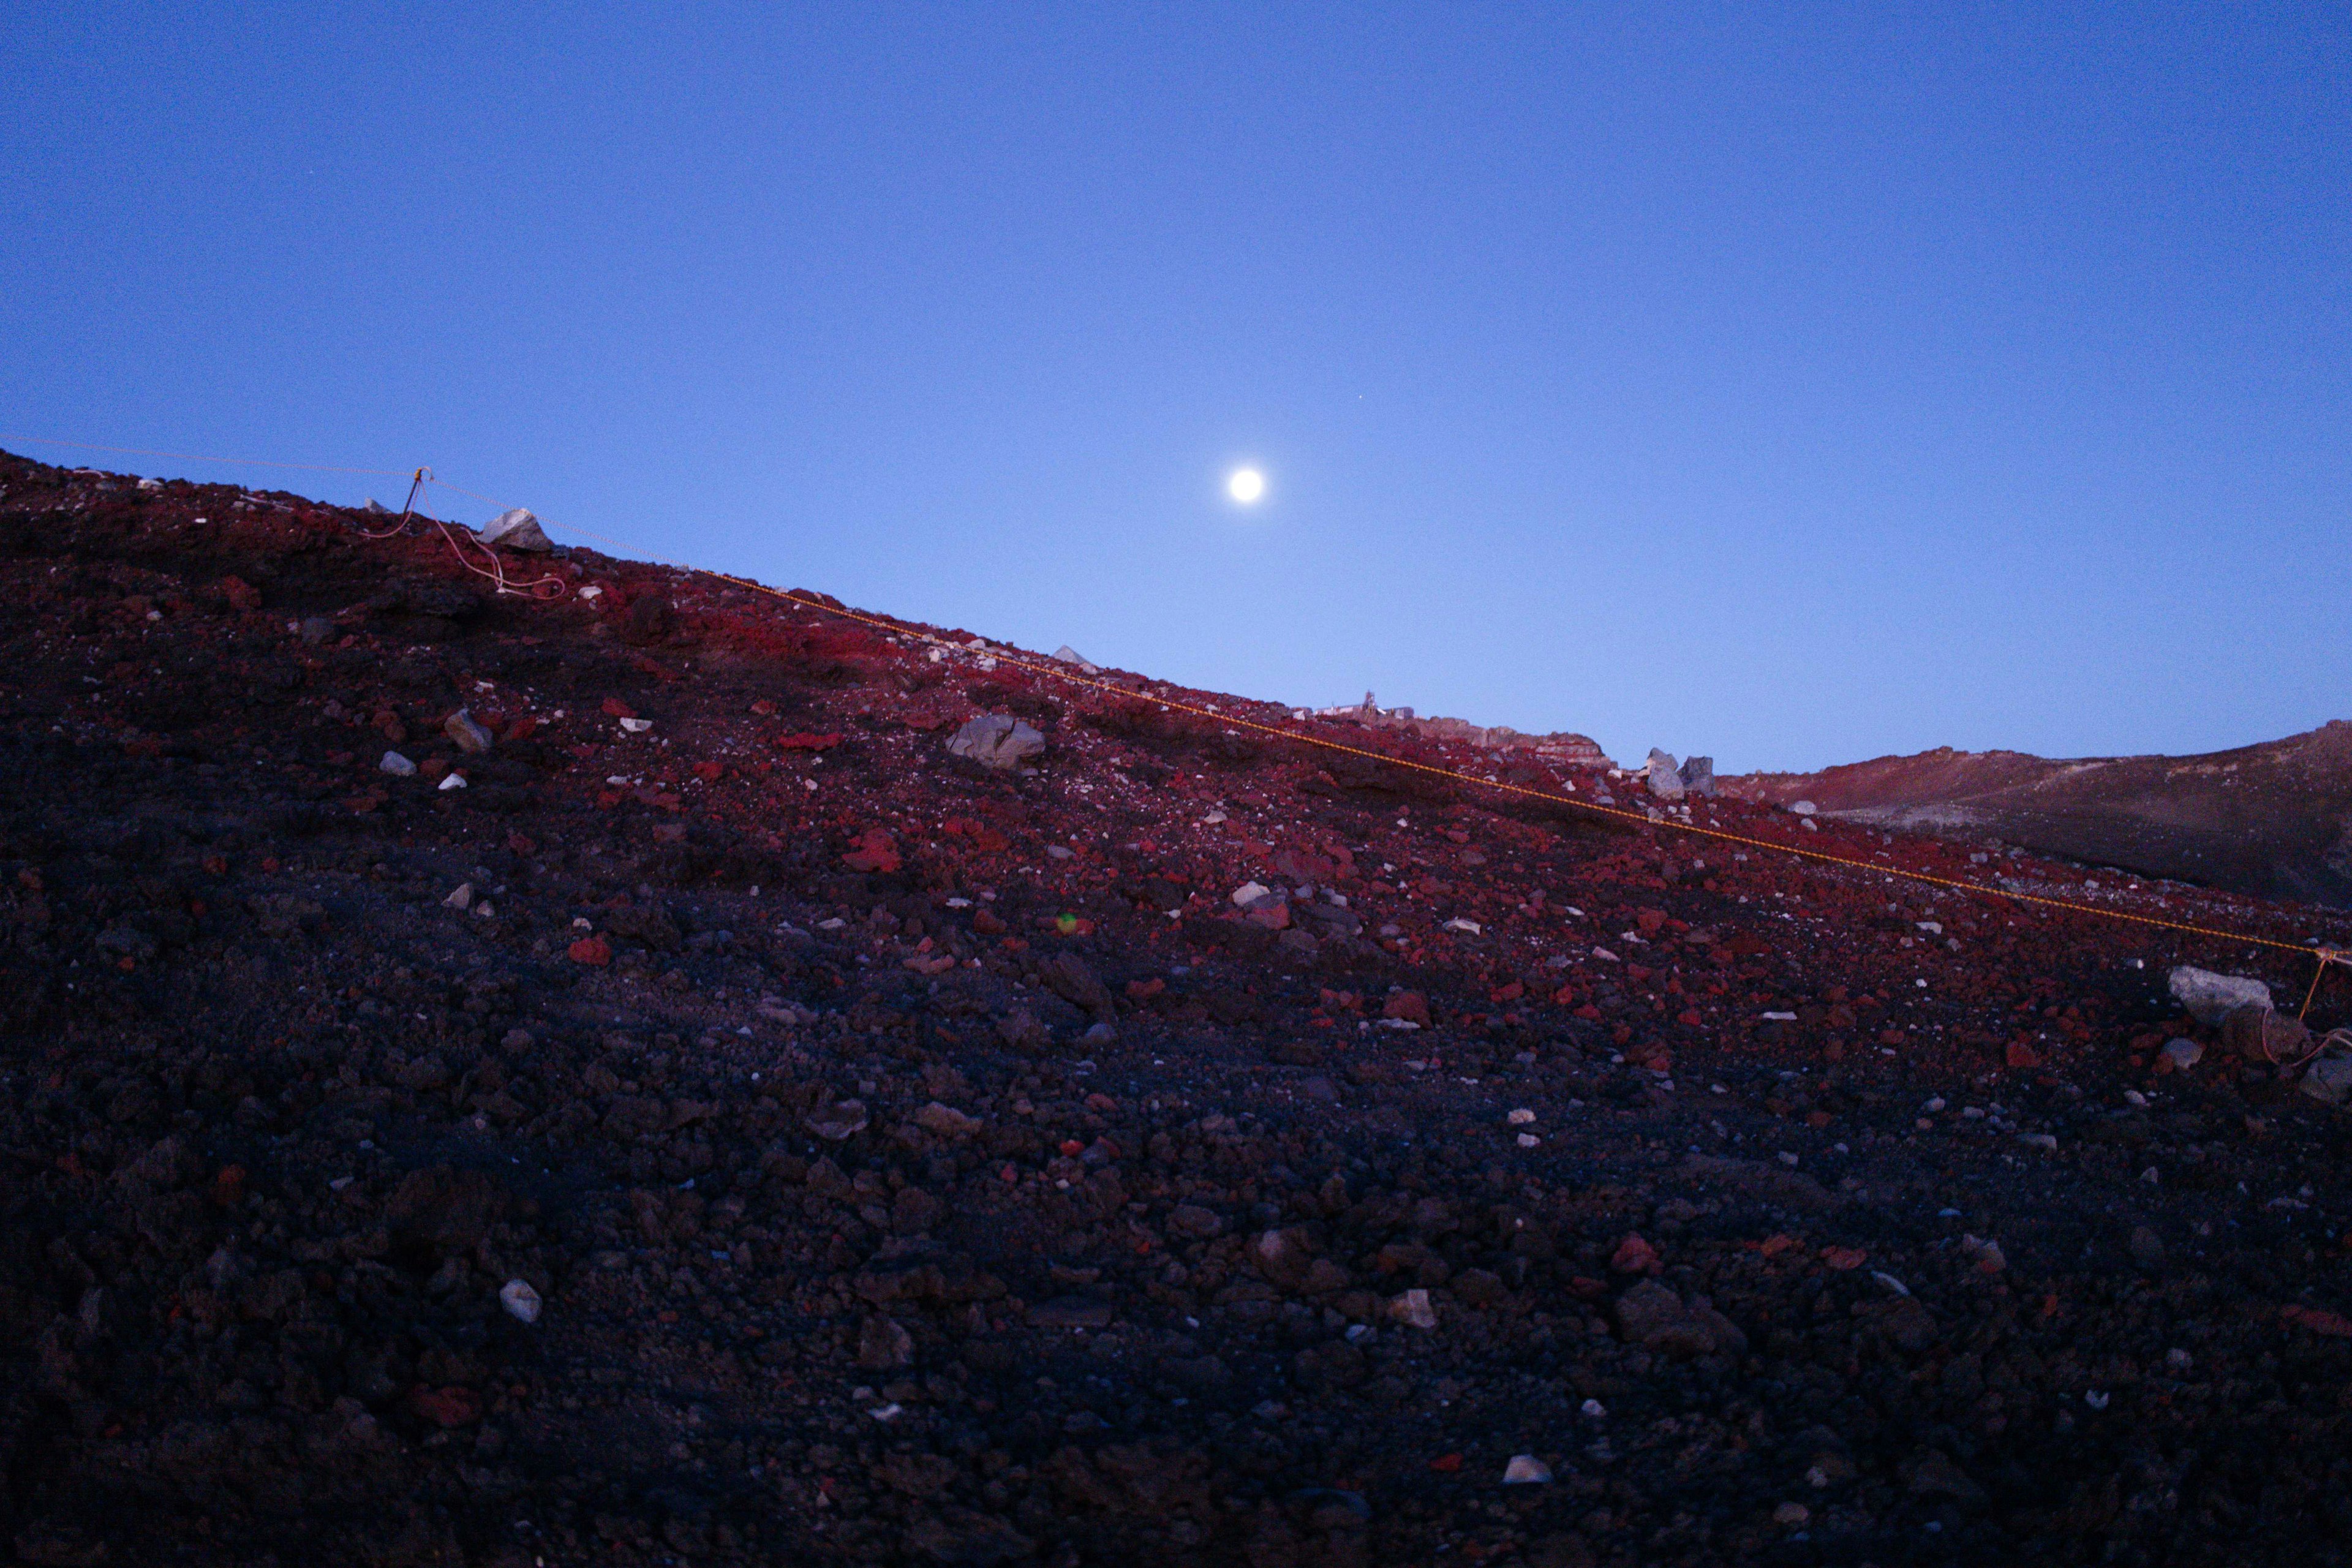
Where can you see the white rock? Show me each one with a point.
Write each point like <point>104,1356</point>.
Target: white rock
<point>1665,780</point>
<point>1413,1310</point>
<point>2182,1054</point>
<point>1521,1117</point>
<point>996,740</point>
<point>517,529</point>
<point>398,765</point>
<point>1526,1469</point>
<point>1803,808</point>
<point>1249,893</point>
<point>636,726</point>
<point>463,899</point>
<point>2210,997</point>
<point>1069,655</point>
<point>454,781</point>
<point>592,591</point>
<point>1459,924</point>
<point>520,1301</point>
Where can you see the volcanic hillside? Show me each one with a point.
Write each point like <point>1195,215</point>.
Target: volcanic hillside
<point>2273,819</point>
<point>599,1081</point>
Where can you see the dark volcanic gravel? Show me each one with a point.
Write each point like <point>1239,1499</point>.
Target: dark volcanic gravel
<point>901,1160</point>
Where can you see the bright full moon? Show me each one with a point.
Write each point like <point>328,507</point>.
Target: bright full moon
<point>1245,485</point>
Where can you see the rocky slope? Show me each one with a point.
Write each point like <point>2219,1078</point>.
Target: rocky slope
<point>729,1127</point>
<point>2273,819</point>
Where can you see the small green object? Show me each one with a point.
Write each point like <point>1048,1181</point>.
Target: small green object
<point>1066,924</point>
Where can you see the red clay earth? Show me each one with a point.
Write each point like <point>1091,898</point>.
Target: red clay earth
<point>915,1163</point>
<point>2272,819</point>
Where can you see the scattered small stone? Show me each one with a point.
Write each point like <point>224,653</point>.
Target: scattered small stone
<point>470,734</point>
<point>1526,1469</point>
<point>1071,1312</point>
<point>520,1301</point>
<point>1413,1309</point>
<point>997,741</point>
<point>841,1119</point>
<point>1986,1255</point>
<point>463,899</point>
<point>398,765</point>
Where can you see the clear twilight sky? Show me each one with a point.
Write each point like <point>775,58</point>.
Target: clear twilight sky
<point>1792,384</point>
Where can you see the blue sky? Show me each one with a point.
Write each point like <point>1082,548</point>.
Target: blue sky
<point>1794,385</point>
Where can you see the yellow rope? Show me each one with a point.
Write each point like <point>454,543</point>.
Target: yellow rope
<point>1550,797</point>
<point>2323,956</point>
<point>2326,956</point>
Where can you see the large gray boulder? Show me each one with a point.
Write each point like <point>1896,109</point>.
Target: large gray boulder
<point>2210,997</point>
<point>2328,1079</point>
<point>996,740</point>
<point>1665,781</point>
<point>1697,775</point>
<point>517,529</point>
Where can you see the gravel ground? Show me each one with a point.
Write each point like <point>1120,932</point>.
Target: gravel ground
<point>729,1128</point>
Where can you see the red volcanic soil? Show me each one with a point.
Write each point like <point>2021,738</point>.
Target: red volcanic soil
<point>2274,819</point>
<point>891,1160</point>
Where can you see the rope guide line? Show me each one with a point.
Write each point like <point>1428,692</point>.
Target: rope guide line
<point>551,588</point>
<point>544,590</point>
<point>1550,797</point>
<point>1547,796</point>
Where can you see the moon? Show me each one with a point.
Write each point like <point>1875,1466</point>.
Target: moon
<point>1246,485</point>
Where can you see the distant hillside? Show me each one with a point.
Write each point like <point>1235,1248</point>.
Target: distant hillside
<point>2272,819</point>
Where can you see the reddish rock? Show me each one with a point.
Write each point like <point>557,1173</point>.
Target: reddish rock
<point>1410,1005</point>
<point>1636,1256</point>
<point>872,850</point>
<point>591,950</point>
<point>448,1407</point>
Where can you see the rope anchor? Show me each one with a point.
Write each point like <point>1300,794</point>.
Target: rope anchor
<point>2321,958</point>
